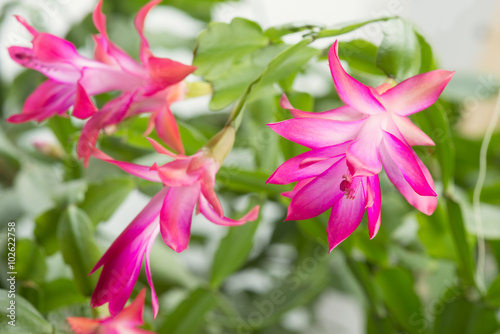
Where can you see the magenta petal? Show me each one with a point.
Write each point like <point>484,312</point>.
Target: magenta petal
<point>215,218</point>
<point>139,26</point>
<point>318,195</point>
<point>345,216</point>
<point>411,133</point>
<point>165,72</point>
<point>373,211</point>
<point>344,113</point>
<point>416,93</point>
<point>404,159</point>
<point>362,154</point>
<point>154,298</point>
<point>315,132</point>
<point>426,204</point>
<point>53,49</point>
<point>49,99</point>
<point>143,172</point>
<point>351,91</point>
<point>84,107</point>
<point>176,215</point>
<point>167,129</point>
<point>175,173</point>
<point>99,19</point>
<point>300,184</point>
<point>292,170</point>
<point>28,27</point>
<point>162,150</point>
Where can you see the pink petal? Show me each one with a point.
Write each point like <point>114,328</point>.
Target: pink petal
<point>162,150</point>
<point>315,132</point>
<point>84,107</point>
<point>426,204</point>
<point>373,211</point>
<point>404,159</point>
<point>208,192</point>
<point>143,172</point>
<point>98,80</point>
<point>131,316</point>
<point>167,129</point>
<point>351,91</point>
<point>83,325</point>
<point>176,215</point>
<point>416,93</point>
<point>57,71</point>
<point>175,173</point>
<point>28,27</point>
<point>318,195</point>
<point>411,133</point>
<point>215,218</point>
<point>99,19</point>
<point>139,25</point>
<point>300,184</point>
<point>344,113</point>
<point>53,49</point>
<point>292,170</point>
<point>165,72</point>
<point>49,99</point>
<point>154,297</point>
<point>345,216</point>
<point>362,154</point>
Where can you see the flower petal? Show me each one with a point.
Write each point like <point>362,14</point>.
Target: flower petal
<point>84,107</point>
<point>344,113</point>
<point>28,27</point>
<point>176,215</point>
<point>315,132</point>
<point>167,129</point>
<point>131,316</point>
<point>215,218</point>
<point>165,72</point>
<point>416,93</point>
<point>345,216</point>
<point>352,92</point>
<point>318,195</point>
<point>139,26</point>
<point>48,99</point>
<point>292,170</point>
<point>411,133</point>
<point>82,325</point>
<point>144,172</point>
<point>426,204</point>
<point>175,173</point>
<point>404,159</point>
<point>162,150</point>
<point>373,211</point>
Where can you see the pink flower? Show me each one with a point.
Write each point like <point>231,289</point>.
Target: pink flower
<point>324,182</point>
<point>149,86</point>
<point>375,122</point>
<point>188,183</point>
<point>125,321</point>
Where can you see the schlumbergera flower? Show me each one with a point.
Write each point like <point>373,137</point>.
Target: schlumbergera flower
<point>188,184</point>
<point>374,131</point>
<point>149,86</point>
<point>125,321</point>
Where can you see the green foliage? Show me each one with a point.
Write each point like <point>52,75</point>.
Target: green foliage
<point>417,276</point>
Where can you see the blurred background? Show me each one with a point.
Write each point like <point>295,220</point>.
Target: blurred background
<point>465,37</point>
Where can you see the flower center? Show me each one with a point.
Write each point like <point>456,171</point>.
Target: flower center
<point>346,185</point>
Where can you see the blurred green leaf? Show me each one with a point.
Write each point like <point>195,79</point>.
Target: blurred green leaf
<point>232,252</point>
<point>434,122</point>
<point>457,225</point>
<point>80,252</point>
<point>434,232</point>
<point>231,56</point>
<point>344,28</point>
<point>361,56</point>
<point>493,295</point>
<point>397,288</point>
<point>103,198</point>
<point>491,194</point>
<point>459,315</point>
<point>45,227</point>
<point>30,262</point>
<point>246,181</point>
<point>63,130</point>
<point>427,58</point>
<point>189,316</point>
<point>399,54</point>
<point>58,293</point>
<point>26,316</point>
